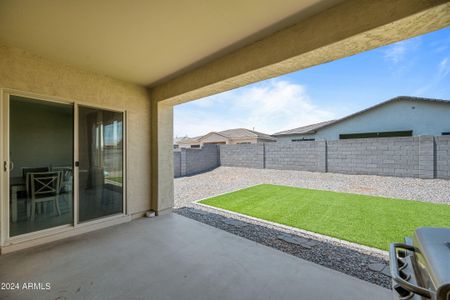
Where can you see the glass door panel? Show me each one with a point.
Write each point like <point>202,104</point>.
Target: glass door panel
<point>41,156</point>
<point>100,163</point>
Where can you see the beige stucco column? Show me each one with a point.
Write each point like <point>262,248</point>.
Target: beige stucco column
<point>162,158</point>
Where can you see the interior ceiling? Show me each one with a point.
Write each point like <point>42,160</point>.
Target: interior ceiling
<point>144,41</point>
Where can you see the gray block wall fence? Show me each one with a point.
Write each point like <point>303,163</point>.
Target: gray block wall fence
<point>188,162</point>
<point>442,163</point>
<point>302,156</point>
<point>176,163</point>
<point>382,156</point>
<point>243,155</point>
<point>419,156</point>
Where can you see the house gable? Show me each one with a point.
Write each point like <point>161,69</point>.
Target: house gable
<point>214,137</point>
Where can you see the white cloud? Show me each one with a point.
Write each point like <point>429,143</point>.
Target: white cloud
<point>269,107</point>
<point>444,67</point>
<point>398,52</point>
<point>441,44</point>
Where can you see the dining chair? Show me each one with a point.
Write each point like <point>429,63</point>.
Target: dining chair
<point>26,170</point>
<point>66,178</point>
<point>65,183</point>
<point>44,187</point>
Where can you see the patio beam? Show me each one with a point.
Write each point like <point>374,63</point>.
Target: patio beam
<point>346,29</point>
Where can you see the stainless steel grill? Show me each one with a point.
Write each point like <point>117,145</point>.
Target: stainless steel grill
<point>420,267</point>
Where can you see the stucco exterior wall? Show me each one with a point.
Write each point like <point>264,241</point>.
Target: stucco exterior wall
<point>244,141</point>
<point>289,138</point>
<point>265,141</point>
<point>23,71</point>
<point>422,118</point>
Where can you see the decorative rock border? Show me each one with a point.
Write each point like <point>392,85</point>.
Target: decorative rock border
<point>308,244</point>
<point>371,266</point>
<point>201,208</point>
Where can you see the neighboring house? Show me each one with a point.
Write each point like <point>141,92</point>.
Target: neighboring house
<point>177,140</point>
<point>187,142</point>
<point>230,136</point>
<point>400,116</point>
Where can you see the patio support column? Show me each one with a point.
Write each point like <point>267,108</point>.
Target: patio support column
<point>162,158</point>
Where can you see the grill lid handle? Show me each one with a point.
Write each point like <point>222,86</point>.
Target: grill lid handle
<point>395,272</point>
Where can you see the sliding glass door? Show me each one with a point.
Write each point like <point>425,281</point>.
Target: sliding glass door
<point>40,164</point>
<point>64,165</point>
<point>100,163</point>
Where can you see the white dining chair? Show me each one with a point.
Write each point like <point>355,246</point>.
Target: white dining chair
<point>44,187</point>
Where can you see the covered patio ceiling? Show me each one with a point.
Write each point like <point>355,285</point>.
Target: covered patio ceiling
<point>185,50</point>
<point>143,41</point>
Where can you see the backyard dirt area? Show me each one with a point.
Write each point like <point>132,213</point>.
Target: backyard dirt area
<point>227,179</point>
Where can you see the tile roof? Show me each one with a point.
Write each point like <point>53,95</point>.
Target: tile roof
<point>235,133</point>
<point>188,140</point>
<point>238,133</point>
<point>308,129</point>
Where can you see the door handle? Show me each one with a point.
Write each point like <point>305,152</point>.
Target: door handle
<point>8,167</point>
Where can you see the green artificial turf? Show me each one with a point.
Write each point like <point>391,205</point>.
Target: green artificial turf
<point>116,179</point>
<point>367,220</point>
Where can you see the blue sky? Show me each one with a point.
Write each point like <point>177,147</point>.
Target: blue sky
<point>416,67</point>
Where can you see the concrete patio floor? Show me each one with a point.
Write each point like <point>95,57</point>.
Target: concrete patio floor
<point>172,257</point>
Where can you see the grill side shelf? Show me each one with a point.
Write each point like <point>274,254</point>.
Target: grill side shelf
<point>400,276</point>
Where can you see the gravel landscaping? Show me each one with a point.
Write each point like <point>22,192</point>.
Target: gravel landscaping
<point>362,262</point>
<point>227,179</point>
